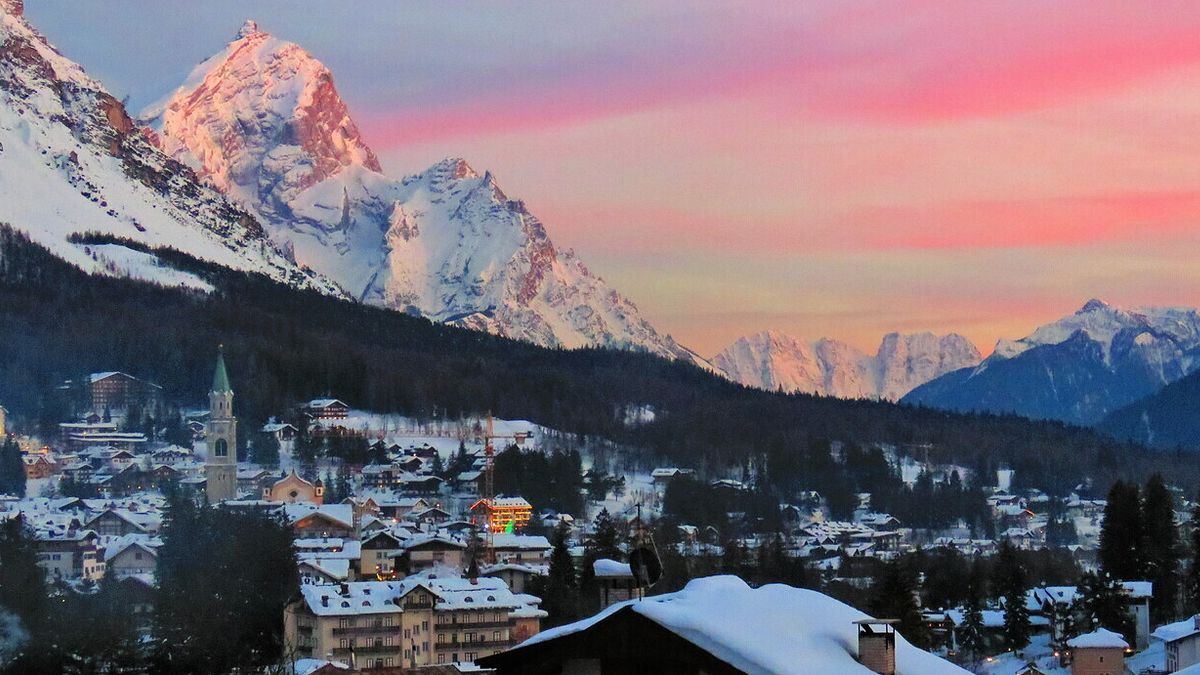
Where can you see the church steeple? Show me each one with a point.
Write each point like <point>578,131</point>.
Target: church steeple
<point>221,376</point>
<point>221,437</point>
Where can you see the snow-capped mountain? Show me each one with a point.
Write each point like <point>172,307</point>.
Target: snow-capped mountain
<point>1078,368</point>
<point>72,163</point>
<point>262,121</point>
<point>776,361</point>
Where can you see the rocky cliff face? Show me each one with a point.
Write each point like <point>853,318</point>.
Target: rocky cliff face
<point>776,361</point>
<point>262,120</point>
<point>71,163</point>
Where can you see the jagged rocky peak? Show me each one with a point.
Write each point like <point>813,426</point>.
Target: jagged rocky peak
<point>263,122</point>
<point>249,28</point>
<point>14,7</point>
<point>776,361</point>
<point>71,143</point>
<point>1093,305</point>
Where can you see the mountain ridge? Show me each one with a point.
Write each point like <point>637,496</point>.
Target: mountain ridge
<point>773,360</point>
<point>262,120</point>
<point>1078,368</point>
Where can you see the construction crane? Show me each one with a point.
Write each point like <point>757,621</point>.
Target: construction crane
<point>488,495</point>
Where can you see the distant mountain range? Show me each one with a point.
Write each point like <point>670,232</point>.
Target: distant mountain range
<point>776,361</point>
<point>1077,369</point>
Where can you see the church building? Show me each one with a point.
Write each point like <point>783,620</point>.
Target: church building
<point>221,432</point>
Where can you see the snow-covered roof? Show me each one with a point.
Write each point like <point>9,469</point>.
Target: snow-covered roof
<point>1101,638</point>
<point>606,568</point>
<point>1177,631</point>
<point>764,630</point>
<point>525,542</point>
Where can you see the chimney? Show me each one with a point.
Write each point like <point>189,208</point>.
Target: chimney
<point>1196,622</point>
<point>877,645</point>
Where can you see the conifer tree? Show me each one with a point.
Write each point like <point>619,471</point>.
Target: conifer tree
<point>1161,548</point>
<point>561,599</point>
<point>1122,535</point>
<point>1103,602</point>
<point>894,596</point>
<point>12,468</point>
<point>265,450</point>
<point>1010,583</point>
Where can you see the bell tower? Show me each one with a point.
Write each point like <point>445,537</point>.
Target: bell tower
<point>221,432</point>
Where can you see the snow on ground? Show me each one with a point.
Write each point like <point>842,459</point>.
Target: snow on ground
<point>120,261</point>
<point>765,630</point>
<point>443,435</point>
<point>1037,652</point>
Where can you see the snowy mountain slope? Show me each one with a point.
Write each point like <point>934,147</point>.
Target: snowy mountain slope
<point>1076,369</point>
<point>772,360</point>
<point>262,121</point>
<point>71,162</point>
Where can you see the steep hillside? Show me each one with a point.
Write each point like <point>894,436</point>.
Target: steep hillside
<point>71,162</point>
<point>1168,418</point>
<point>285,345</point>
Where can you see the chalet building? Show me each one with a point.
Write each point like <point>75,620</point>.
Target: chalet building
<point>131,557</point>
<point>521,548</point>
<point>282,432</point>
<point>379,554</point>
<point>113,394</point>
<point>73,554</point>
<point>434,550</point>
<point>663,475</point>
<point>517,575</point>
<point>383,476</point>
<point>322,524</point>
<point>1181,642</point>
<point>393,626</point>
<point>38,466</point>
<point>119,522</point>
<point>433,515</point>
<point>720,626</point>
<point>292,489</point>
<point>326,409</point>
<point>1098,653</point>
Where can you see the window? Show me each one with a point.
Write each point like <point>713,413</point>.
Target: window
<point>425,625</point>
<point>471,655</point>
<point>344,643</point>
<point>495,636</point>
<point>442,639</point>
<point>388,641</point>
<point>406,633</point>
<point>441,658</point>
<point>222,448</point>
<point>387,662</point>
<point>387,620</point>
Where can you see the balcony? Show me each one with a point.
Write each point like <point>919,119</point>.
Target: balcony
<point>364,630</point>
<point>468,646</point>
<point>506,623</point>
<point>372,650</point>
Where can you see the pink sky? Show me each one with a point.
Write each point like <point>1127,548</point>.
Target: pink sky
<point>823,168</point>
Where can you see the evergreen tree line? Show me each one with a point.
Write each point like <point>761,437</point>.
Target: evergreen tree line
<point>283,344</point>
<point>1139,541</point>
